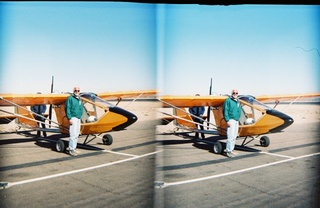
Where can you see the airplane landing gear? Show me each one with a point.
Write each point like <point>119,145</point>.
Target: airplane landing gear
<point>60,146</point>
<point>217,148</point>
<point>264,141</point>
<point>107,139</point>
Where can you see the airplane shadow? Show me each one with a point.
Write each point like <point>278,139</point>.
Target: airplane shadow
<point>27,137</point>
<point>44,142</point>
<point>203,144</point>
<point>50,142</point>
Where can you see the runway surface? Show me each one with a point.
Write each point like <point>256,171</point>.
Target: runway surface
<point>285,174</point>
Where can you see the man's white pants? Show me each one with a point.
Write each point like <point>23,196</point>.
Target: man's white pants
<point>232,133</point>
<point>74,131</point>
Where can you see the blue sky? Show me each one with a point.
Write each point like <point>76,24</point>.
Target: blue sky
<point>259,49</point>
<point>98,46</point>
<point>249,47</point>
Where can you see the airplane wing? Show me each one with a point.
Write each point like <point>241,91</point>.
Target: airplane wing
<point>56,99</point>
<point>127,94</point>
<point>269,98</point>
<point>190,101</point>
<point>31,99</point>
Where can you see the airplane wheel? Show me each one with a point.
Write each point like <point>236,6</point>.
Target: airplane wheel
<point>217,148</point>
<point>264,141</point>
<point>60,146</point>
<point>107,139</point>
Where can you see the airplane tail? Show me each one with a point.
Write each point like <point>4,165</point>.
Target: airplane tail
<point>185,120</point>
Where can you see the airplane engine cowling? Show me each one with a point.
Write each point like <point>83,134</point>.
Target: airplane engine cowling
<point>130,116</point>
<point>287,120</point>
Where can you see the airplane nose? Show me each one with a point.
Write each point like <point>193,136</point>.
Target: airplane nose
<point>287,120</point>
<point>131,118</point>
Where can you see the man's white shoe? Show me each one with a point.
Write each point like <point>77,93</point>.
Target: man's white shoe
<point>72,153</point>
<point>229,154</point>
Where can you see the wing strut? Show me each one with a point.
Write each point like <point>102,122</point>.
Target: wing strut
<point>291,103</point>
<point>217,127</point>
<point>131,101</point>
<point>177,117</point>
<point>21,116</point>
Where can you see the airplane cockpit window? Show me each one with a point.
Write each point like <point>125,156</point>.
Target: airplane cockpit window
<point>94,109</point>
<point>250,114</point>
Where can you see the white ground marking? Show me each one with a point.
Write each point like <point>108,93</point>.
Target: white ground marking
<point>268,153</point>
<point>164,185</point>
<point>120,153</point>
<point>10,184</point>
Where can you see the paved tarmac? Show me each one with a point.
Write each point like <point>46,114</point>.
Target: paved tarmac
<point>285,174</point>
<point>35,175</point>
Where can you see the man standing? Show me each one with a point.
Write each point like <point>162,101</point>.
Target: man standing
<point>198,111</point>
<point>74,109</point>
<point>40,110</point>
<point>231,113</point>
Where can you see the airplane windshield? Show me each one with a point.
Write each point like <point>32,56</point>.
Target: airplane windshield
<point>250,99</point>
<point>94,98</point>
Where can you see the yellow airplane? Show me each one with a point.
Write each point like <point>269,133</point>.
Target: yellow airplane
<point>99,115</point>
<point>256,118</point>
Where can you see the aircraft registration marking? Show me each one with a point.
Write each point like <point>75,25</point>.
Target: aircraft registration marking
<point>164,185</point>
<point>10,184</point>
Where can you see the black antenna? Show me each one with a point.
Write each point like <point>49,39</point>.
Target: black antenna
<point>50,108</point>
<point>209,107</point>
<point>52,80</point>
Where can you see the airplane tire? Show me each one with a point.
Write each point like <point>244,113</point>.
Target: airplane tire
<point>217,148</point>
<point>264,141</point>
<point>60,146</point>
<point>107,139</point>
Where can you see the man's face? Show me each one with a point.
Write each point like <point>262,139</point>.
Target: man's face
<point>235,93</point>
<point>76,90</point>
